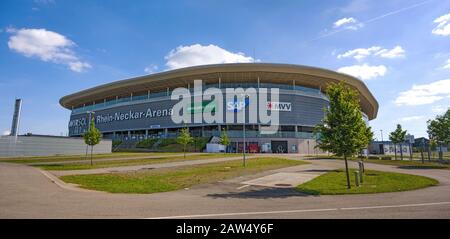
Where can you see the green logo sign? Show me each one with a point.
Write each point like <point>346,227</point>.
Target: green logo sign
<point>205,106</point>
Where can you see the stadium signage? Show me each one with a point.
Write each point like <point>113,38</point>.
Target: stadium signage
<point>237,106</point>
<point>279,106</point>
<point>132,115</point>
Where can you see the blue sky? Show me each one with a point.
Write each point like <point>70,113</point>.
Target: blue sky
<point>50,48</point>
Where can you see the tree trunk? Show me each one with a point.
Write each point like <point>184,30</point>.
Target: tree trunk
<point>410,152</point>
<point>184,151</point>
<point>395,151</point>
<point>440,152</point>
<point>429,154</point>
<point>421,154</point>
<point>347,173</point>
<point>87,148</point>
<point>401,152</point>
<point>92,149</point>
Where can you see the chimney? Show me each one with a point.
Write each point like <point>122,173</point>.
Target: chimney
<point>16,118</point>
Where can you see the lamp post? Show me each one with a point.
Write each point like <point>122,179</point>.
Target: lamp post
<point>243,128</point>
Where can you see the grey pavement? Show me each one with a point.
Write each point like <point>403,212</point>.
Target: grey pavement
<point>27,193</point>
<point>149,166</point>
<point>87,160</point>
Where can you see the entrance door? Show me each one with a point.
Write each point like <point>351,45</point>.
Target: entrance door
<point>279,147</point>
<point>381,148</point>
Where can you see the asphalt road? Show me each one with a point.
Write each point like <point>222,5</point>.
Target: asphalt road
<point>27,193</point>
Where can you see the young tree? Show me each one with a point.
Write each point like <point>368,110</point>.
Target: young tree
<point>397,137</point>
<point>439,130</point>
<point>343,130</point>
<point>92,137</point>
<point>184,139</point>
<point>224,140</point>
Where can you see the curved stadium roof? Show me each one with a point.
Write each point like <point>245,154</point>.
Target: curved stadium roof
<point>236,72</point>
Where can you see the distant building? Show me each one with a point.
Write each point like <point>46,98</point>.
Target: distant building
<point>388,148</point>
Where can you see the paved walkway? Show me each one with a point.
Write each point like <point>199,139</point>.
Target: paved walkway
<point>144,167</point>
<point>26,193</point>
<point>87,160</point>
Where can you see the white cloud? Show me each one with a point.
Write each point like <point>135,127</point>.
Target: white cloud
<point>151,69</point>
<point>439,109</point>
<point>411,118</point>
<point>78,66</point>
<point>6,132</point>
<point>46,45</point>
<point>443,27</point>
<point>447,64</point>
<point>344,21</point>
<point>395,52</point>
<point>361,53</point>
<point>424,94</point>
<point>364,72</point>
<point>184,56</point>
<point>348,23</point>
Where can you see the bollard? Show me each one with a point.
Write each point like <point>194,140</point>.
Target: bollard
<point>357,178</point>
<point>361,166</point>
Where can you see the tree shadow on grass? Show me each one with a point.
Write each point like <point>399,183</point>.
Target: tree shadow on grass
<point>265,193</point>
<point>318,170</point>
<point>422,167</point>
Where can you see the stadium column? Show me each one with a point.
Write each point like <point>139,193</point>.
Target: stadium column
<point>146,133</point>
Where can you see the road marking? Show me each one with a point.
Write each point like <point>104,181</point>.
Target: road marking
<point>394,206</point>
<point>241,187</point>
<point>244,213</point>
<point>301,210</point>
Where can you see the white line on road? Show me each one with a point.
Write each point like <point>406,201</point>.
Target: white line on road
<point>394,206</point>
<point>300,211</point>
<point>241,187</point>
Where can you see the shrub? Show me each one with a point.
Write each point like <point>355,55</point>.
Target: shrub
<point>146,143</point>
<point>116,143</point>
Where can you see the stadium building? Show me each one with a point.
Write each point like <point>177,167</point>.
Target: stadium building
<point>141,107</point>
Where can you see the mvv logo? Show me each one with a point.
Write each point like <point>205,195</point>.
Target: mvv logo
<point>279,106</point>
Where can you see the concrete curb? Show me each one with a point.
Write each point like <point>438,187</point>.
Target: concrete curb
<point>63,185</point>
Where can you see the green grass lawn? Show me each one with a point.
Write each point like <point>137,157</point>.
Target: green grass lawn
<point>405,163</point>
<point>131,162</point>
<point>171,179</point>
<point>171,145</point>
<point>434,155</point>
<point>62,158</point>
<point>409,164</point>
<point>335,182</point>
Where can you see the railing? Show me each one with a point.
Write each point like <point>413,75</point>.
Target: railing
<point>146,97</point>
<point>230,133</point>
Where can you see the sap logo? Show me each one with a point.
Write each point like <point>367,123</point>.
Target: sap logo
<point>279,106</point>
<point>237,105</point>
